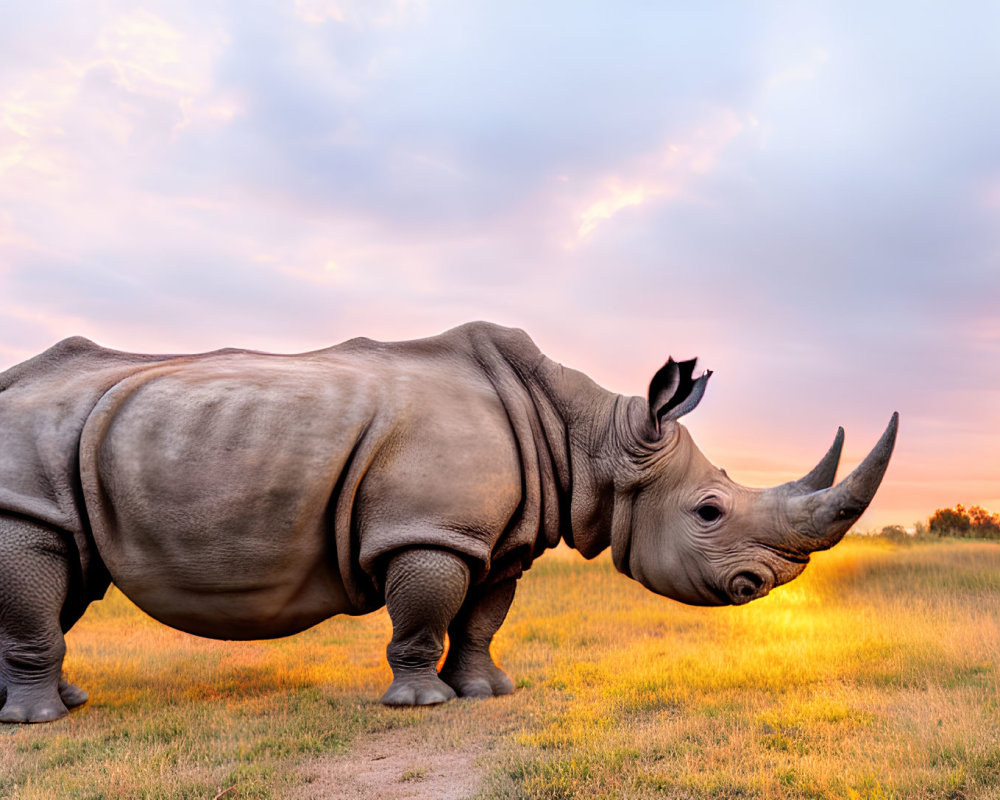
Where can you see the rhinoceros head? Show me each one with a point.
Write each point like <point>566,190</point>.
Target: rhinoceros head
<point>700,537</point>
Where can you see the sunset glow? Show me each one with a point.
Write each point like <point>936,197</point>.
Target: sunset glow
<point>805,198</point>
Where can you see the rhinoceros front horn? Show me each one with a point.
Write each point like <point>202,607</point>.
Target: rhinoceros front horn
<point>824,516</point>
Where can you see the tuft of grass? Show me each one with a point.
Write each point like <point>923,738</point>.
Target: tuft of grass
<point>413,774</point>
<point>874,675</point>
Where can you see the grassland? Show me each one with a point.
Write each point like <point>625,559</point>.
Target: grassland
<point>874,675</point>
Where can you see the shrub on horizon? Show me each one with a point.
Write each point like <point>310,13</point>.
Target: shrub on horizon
<point>894,532</point>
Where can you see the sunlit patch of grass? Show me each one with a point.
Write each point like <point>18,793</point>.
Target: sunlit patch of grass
<point>875,675</point>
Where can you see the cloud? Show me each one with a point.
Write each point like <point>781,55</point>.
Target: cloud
<point>659,176</point>
<point>361,13</point>
<point>129,88</point>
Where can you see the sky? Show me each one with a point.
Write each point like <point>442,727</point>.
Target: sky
<point>805,196</point>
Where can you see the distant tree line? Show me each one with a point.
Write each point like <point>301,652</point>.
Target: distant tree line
<point>965,523</point>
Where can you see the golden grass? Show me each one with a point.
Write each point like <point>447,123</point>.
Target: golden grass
<point>874,675</point>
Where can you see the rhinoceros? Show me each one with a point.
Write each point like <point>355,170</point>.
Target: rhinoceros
<point>244,495</point>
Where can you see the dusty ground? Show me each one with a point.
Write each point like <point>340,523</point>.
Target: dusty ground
<point>396,764</point>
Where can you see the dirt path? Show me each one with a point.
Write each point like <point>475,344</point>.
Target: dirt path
<point>396,765</point>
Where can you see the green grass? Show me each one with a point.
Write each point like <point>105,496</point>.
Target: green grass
<point>874,675</point>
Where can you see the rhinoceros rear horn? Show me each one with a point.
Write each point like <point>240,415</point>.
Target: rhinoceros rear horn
<point>826,515</point>
<point>674,391</point>
<point>822,475</point>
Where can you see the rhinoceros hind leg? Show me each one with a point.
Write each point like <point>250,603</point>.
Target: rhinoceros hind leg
<point>469,668</point>
<point>423,591</point>
<point>34,580</point>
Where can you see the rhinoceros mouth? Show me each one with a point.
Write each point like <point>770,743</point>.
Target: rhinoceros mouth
<point>787,554</point>
<point>720,596</point>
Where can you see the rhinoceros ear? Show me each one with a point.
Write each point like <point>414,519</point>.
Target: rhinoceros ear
<point>674,392</point>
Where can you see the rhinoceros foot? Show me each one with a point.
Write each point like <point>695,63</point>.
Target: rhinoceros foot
<point>72,696</point>
<point>417,690</point>
<point>483,679</point>
<point>32,704</point>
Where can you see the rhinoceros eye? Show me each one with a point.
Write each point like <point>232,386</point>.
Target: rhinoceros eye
<point>708,512</point>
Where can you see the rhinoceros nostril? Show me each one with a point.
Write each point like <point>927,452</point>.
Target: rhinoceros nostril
<point>746,586</point>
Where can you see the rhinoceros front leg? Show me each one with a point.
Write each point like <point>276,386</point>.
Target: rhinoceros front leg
<point>34,580</point>
<point>424,589</point>
<point>469,668</point>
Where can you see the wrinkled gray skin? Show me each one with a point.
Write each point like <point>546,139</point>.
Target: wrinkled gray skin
<point>242,495</point>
